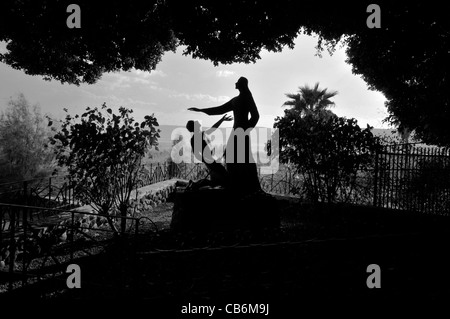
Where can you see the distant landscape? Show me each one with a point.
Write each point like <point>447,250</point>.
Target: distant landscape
<point>165,141</point>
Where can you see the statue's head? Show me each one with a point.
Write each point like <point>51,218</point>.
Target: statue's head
<point>193,126</point>
<point>242,83</point>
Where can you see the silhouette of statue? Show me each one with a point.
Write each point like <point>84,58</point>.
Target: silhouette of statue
<point>240,164</point>
<point>202,152</point>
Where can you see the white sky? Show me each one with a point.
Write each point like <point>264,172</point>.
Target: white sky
<point>180,82</point>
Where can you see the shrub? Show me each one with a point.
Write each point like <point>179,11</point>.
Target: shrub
<point>103,155</point>
<point>23,142</point>
<point>329,152</point>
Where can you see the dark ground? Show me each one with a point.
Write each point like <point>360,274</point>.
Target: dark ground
<point>318,255</point>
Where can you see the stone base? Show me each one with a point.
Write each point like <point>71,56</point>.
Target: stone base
<point>210,210</point>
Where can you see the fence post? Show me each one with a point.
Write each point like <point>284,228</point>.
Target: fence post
<point>166,172</point>
<point>157,173</point>
<point>49,189</point>
<point>151,173</point>
<point>375,181</point>
<point>72,192</point>
<point>25,192</point>
<point>1,224</point>
<point>287,182</point>
<point>72,235</point>
<point>12,247</point>
<point>271,182</point>
<point>24,226</point>
<point>137,228</point>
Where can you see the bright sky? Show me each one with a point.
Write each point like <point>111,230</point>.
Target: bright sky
<point>180,82</point>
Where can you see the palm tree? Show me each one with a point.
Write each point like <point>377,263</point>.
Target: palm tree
<point>311,101</point>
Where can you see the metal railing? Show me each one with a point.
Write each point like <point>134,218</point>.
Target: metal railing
<point>27,243</point>
<point>59,192</point>
<point>53,191</point>
<point>412,177</point>
<point>284,181</point>
<point>158,172</point>
<point>409,177</point>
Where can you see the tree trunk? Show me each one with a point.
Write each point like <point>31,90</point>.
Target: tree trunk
<point>110,221</point>
<point>123,221</point>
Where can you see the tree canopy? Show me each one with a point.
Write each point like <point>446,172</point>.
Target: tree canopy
<point>24,151</point>
<point>405,58</point>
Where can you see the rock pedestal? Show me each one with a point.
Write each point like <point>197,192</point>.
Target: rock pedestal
<point>207,210</point>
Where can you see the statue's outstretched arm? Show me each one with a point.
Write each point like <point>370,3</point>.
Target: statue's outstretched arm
<point>217,124</point>
<point>216,110</point>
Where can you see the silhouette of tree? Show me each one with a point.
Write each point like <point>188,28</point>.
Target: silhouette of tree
<point>103,155</point>
<point>328,153</point>
<point>117,35</point>
<point>311,101</point>
<point>24,151</point>
<point>405,59</point>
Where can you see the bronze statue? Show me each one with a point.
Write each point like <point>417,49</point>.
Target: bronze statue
<point>202,152</point>
<point>240,164</point>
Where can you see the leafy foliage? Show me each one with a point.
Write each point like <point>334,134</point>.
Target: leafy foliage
<point>405,59</point>
<point>24,151</point>
<point>103,155</point>
<point>312,101</point>
<point>117,35</point>
<point>426,184</point>
<point>329,153</point>
<point>114,35</point>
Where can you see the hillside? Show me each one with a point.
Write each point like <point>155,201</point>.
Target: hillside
<point>165,141</point>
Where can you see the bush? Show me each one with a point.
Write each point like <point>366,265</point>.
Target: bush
<point>330,153</point>
<point>426,187</point>
<point>24,152</point>
<point>103,155</point>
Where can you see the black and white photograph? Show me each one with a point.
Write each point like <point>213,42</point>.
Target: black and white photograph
<point>224,159</point>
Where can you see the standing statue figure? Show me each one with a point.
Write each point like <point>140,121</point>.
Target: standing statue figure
<point>241,167</point>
